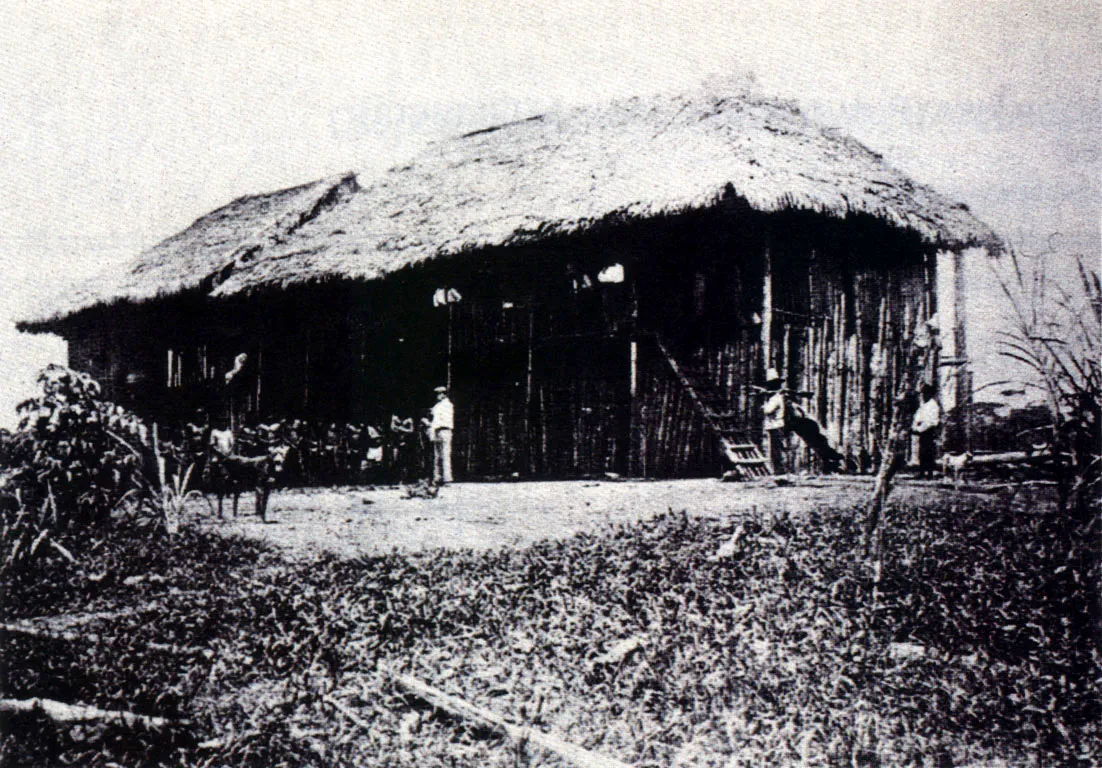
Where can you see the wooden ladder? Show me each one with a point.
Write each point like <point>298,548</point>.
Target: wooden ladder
<point>747,459</point>
<point>745,456</point>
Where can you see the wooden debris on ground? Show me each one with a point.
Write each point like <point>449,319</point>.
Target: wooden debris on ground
<point>60,712</point>
<point>484,718</point>
<point>619,651</point>
<point>43,633</point>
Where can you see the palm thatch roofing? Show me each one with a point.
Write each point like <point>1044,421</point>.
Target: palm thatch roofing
<point>526,181</point>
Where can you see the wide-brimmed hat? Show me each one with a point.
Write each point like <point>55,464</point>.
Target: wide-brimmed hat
<point>441,390</point>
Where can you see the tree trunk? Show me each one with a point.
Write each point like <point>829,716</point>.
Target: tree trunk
<point>891,461</point>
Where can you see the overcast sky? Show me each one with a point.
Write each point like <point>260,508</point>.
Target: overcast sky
<point>122,122</point>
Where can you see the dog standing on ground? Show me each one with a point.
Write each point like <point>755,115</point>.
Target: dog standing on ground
<point>955,464</point>
<point>233,475</point>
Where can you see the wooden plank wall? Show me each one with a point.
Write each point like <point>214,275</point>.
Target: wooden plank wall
<point>672,438</point>
<point>851,355</point>
<point>732,368</point>
<point>541,368</point>
<point>558,407</point>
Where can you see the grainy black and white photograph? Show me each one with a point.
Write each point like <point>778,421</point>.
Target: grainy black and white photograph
<point>570,383</point>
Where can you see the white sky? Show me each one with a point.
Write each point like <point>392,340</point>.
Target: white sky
<point>122,122</point>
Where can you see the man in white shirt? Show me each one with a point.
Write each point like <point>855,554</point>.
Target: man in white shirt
<point>775,423</point>
<point>441,427</point>
<point>926,422</point>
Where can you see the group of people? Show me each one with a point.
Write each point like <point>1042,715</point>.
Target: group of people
<point>783,417</point>
<point>403,449</point>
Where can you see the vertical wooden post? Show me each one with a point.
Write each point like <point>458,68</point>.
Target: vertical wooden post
<point>786,359</point>
<point>529,464</point>
<point>306,371</point>
<point>450,313</point>
<point>861,369</point>
<point>929,280</point>
<point>843,381</point>
<point>634,368</point>
<point>636,450</point>
<point>767,309</point>
<point>962,369</point>
<point>156,445</point>
<point>879,429</point>
<point>259,376</point>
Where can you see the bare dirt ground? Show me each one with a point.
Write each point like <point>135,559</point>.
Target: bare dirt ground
<point>355,521</point>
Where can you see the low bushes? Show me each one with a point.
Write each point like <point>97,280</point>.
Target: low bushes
<point>76,447</point>
<point>678,641</point>
<point>73,461</point>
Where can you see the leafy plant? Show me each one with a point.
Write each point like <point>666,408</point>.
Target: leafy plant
<point>72,444</point>
<point>175,493</point>
<point>25,535</point>
<point>674,641</point>
<point>1055,334</point>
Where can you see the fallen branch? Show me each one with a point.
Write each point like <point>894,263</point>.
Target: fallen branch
<point>61,712</point>
<point>1015,457</point>
<point>484,718</point>
<point>71,620</point>
<point>67,621</point>
<point>66,553</point>
<point>347,712</point>
<point>78,637</point>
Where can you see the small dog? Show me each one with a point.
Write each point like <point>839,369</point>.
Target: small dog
<point>955,464</point>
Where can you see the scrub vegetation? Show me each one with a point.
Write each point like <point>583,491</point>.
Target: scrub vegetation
<point>970,637</point>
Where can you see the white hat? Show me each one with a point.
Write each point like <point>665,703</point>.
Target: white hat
<point>441,389</point>
<point>771,375</point>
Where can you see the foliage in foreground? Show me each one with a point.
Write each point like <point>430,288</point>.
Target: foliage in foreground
<point>672,642</point>
<point>76,445</point>
<point>1054,334</point>
<point>74,459</point>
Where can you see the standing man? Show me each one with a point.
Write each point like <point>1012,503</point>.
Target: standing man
<point>926,422</point>
<point>403,459</point>
<point>440,431</point>
<point>776,420</point>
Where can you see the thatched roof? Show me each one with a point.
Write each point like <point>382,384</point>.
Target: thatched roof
<point>528,180</point>
<point>215,244</point>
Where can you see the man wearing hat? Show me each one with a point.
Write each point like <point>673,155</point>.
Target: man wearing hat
<point>440,431</point>
<point>776,420</point>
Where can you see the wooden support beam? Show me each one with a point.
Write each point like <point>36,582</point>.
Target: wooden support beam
<point>529,462</point>
<point>484,718</point>
<point>767,309</point>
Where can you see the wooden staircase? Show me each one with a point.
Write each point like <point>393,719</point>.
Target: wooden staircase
<point>744,455</point>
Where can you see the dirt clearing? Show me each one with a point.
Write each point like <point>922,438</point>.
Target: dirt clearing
<point>354,521</point>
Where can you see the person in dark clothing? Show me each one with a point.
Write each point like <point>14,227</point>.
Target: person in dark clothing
<point>403,449</point>
<point>782,416</point>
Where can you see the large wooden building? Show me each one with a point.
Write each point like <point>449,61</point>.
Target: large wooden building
<point>603,289</point>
